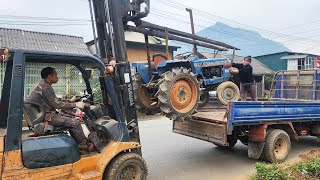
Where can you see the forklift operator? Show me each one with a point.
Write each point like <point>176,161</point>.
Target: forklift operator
<point>44,94</point>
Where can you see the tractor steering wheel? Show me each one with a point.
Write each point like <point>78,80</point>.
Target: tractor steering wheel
<point>184,55</point>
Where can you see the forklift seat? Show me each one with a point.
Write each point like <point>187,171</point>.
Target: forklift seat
<point>34,114</point>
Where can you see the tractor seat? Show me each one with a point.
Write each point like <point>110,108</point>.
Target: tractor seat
<point>34,114</point>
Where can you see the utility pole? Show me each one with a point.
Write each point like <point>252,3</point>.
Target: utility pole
<point>192,29</point>
<point>93,29</point>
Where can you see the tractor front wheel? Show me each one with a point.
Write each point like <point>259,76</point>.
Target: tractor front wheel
<point>178,93</point>
<point>228,92</point>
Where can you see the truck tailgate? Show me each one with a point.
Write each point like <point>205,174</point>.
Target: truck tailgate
<point>208,126</point>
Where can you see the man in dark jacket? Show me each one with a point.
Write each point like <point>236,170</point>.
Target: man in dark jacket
<point>247,83</point>
<point>44,94</point>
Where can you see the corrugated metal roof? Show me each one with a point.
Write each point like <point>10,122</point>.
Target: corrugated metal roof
<point>287,52</point>
<point>31,40</point>
<point>294,56</point>
<point>258,67</point>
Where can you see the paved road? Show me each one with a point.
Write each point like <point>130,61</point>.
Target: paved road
<point>172,156</point>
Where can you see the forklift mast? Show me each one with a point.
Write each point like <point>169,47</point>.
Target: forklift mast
<point>111,16</point>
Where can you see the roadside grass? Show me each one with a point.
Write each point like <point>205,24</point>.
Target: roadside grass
<point>308,168</point>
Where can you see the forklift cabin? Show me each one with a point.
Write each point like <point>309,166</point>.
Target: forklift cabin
<point>56,156</point>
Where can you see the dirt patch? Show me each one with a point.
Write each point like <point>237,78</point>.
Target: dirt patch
<point>313,153</point>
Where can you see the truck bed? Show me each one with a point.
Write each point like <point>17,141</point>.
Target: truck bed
<point>215,125</point>
<point>256,112</point>
<point>213,116</point>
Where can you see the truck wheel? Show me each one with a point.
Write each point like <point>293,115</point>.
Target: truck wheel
<point>228,92</point>
<point>277,146</point>
<point>204,99</point>
<point>178,94</point>
<point>127,166</point>
<point>142,97</point>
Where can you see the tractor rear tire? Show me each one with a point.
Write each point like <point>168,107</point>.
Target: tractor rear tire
<point>228,92</point>
<point>178,93</point>
<point>142,97</point>
<point>126,166</point>
<point>277,146</point>
<point>204,99</point>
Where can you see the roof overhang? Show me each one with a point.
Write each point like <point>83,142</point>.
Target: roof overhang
<point>294,56</point>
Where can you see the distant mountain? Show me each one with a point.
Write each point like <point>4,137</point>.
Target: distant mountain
<point>250,42</point>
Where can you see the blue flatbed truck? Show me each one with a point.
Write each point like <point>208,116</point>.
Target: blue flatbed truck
<point>267,127</point>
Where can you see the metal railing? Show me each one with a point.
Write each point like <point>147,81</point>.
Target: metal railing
<point>296,85</point>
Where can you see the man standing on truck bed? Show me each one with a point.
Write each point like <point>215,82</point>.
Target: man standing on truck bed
<point>247,82</point>
<point>43,93</point>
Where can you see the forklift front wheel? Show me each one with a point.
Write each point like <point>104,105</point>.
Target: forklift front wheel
<point>127,166</point>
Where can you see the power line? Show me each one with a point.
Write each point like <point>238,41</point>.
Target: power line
<point>43,18</point>
<point>161,15</point>
<point>279,35</point>
<point>35,24</point>
<point>42,22</point>
<point>212,16</point>
<point>212,29</point>
<point>290,27</point>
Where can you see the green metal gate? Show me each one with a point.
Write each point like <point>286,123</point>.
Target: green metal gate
<point>70,79</point>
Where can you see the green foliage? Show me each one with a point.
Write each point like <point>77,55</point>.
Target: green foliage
<point>310,167</point>
<point>270,172</point>
<point>268,78</point>
<point>97,97</point>
<point>307,169</point>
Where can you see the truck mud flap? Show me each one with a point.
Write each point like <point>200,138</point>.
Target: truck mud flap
<point>255,149</point>
<point>208,131</point>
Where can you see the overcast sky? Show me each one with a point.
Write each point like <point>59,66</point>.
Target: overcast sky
<point>295,23</point>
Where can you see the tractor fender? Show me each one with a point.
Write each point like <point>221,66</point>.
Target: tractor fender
<point>168,65</point>
<point>143,70</point>
<point>111,150</point>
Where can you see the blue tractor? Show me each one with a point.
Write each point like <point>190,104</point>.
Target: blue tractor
<point>177,87</point>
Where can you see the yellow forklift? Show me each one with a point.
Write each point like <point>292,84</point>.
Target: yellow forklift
<point>55,155</point>
<point>112,124</point>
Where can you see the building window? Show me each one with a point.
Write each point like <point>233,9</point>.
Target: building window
<point>301,64</point>
<point>292,64</point>
<point>309,63</point>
